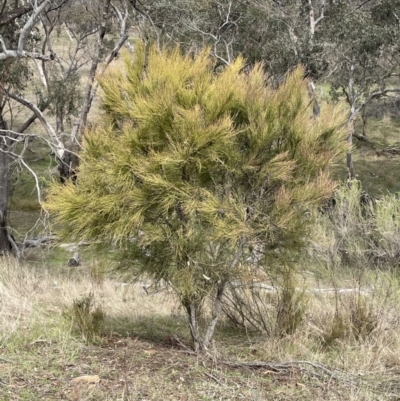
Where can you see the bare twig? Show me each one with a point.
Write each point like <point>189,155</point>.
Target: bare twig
<point>215,379</point>
<point>315,369</point>
<point>50,130</point>
<point>148,17</point>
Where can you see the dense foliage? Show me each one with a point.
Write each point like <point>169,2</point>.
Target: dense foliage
<point>189,169</point>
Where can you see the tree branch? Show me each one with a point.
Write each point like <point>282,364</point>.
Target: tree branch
<point>147,16</point>
<point>29,25</point>
<point>22,128</point>
<point>373,95</point>
<point>60,149</point>
<point>15,13</point>
<point>91,86</point>
<point>20,52</point>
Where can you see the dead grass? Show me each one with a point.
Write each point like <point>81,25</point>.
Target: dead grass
<point>139,354</point>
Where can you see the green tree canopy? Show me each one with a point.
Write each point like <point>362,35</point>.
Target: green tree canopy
<point>190,169</point>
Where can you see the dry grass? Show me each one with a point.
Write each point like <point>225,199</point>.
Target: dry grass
<point>30,293</point>
<point>137,355</point>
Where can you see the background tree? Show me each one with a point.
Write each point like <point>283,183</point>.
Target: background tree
<point>87,25</point>
<point>278,33</point>
<point>191,169</point>
<point>361,47</point>
<point>17,41</point>
<point>96,31</point>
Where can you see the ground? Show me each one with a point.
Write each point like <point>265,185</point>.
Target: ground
<point>142,351</point>
<point>126,368</point>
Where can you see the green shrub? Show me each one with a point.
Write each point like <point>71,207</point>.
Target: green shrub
<point>336,328</point>
<point>86,318</point>
<point>190,168</point>
<point>363,318</point>
<point>292,304</point>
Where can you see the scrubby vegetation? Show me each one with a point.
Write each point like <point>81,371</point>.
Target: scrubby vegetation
<point>342,339</point>
<point>213,183</point>
<point>331,331</point>
<point>196,174</point>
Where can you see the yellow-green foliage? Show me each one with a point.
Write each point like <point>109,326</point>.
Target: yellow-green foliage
<point>187,166</point>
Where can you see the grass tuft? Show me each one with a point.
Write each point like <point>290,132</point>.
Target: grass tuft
<point>86,318</point>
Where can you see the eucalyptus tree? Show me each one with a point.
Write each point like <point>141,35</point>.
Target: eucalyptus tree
<point>29,45</point>
<point>60,91</point>
<point>191,169</point>
<point>361,47</point>
<point>277,33</point>
<point>17,41</point>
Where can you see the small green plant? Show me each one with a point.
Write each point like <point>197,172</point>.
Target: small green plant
<point>292,304</point>
<point>86,319</point>
<point>336,329</point>
<point>356,318</point>
<point>363,318</point>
